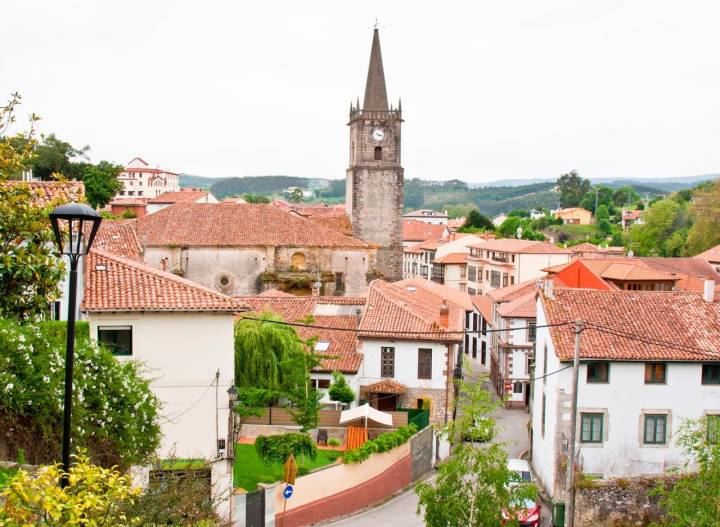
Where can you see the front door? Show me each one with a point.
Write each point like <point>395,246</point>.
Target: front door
<point>386,402</point>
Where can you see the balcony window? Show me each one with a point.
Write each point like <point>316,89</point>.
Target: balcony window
<point>387,362</point>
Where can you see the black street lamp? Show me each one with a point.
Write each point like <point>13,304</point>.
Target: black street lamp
<point>72,222</point>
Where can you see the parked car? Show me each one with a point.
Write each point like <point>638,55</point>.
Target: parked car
<point>521,467</point>
<point>481,431</point>
<point>528,513</point>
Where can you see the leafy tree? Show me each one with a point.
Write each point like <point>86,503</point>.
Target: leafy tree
<point>54,156</point>
<point>572,189</point>
<point>256,198</point>
<point>277,448</point>
<point>508,228</point>
<point>604,196</point>
<point>268,355</point>
<point>694,499</point>
<point>479,221</point>
<point>414,194</point>
<point>336,189</point>
<point>296,196</point>
<point>340,390</point>
<point>662,220</point>
<point>94,497</point>
<point>101,183</point>
<point>114,413</point>
<point>519,213</point>
<point>30,270</point>
<point>602,216</point>
<point>474,487</point>
<point>625,196</point>
<point>15,150</point>
<point>705,232</point>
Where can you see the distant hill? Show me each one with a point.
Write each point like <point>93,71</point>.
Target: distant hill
<point>186,180</point>
<point>664,184</point>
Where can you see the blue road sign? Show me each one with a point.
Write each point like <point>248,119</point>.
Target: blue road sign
<point>288,492</point>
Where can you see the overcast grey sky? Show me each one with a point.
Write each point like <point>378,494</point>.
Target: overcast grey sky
<point>490,90</point>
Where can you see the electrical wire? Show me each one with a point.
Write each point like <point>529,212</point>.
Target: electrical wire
<point>193,405</point>
<point>525,380</point>
<point>396,332</point>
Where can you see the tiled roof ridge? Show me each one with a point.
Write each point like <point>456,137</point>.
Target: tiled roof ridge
<point>408,302</point>
<point>165,275</point>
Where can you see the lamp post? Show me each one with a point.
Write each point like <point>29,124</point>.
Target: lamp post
<point>233,397</point>
<point>71,222</point>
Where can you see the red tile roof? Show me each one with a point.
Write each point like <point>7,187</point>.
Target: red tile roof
<point>118,238</point>
<point>113,283</point>
<point>513,292</point>
<point>484,305</point>
<point>634,271</point>
<point>182,196</point>
<point>337,222</point>
<point>427,213</point>
<point>711,255</point>
<point>342,355</point>
<point>443,292</point>
<point>418,231</point>
<point>675,326</point>
<point>393,312</point>
<point>236,225</point>
<point>53,193</point>
<point>276,293</point>
<point>456,223</point>
<point>452,258</point>
<point>384,386</point>
<point>523,307</point>
<point>511,245</point>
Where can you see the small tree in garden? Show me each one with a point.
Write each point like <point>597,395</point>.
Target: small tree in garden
<point>277,448</point>
<point>340,390</point>
<point>94,497</point>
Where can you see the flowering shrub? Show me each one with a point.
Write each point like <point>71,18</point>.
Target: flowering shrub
<point>381,443</point>
<point>114,409</point>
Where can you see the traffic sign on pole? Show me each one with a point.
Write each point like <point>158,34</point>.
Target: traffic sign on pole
<point>288,492</point>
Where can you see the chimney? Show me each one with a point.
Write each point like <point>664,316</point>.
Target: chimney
<point>444,315</point>
<point>709,291</point>
<point>549,288</point>
<point>358,317</point>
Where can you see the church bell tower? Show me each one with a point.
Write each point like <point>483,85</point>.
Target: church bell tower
<point>374,195</point>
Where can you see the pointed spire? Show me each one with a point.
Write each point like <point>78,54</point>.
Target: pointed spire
<point>400,105</point>
<point>375,92</point>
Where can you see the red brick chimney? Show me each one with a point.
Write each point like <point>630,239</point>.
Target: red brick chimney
<point>444,315</point>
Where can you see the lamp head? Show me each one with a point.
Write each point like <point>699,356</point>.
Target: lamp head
<point>72,221</point>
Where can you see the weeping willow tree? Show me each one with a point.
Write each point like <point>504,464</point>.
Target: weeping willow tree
<point>268,356</point>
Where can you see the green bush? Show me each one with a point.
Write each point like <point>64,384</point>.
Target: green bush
<point>382,443</point>
<point>277,448</point>
<point>333,441</point>
<point>114,409</point>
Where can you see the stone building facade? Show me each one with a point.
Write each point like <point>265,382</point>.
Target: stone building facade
<point>375,177</point>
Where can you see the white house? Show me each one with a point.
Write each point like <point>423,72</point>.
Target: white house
<point>505,262</point>
<point>409,338</point>
<point>428,216</point>
<point>648,361</point>
<point>185,195</point>
<point>140,180</point>
<point>181,333</point>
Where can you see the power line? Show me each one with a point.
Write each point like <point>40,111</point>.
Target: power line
<point>193,405</point>
<point>526,380</point>
<point>396,332</point>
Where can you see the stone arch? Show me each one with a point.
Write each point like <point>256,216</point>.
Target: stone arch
<point>298,261</point>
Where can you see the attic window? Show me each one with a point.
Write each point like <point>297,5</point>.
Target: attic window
<point>322,345</point>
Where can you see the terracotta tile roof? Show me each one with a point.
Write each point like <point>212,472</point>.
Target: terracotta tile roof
<point>690,272</point>
<point>484,305</point>
<point>276,293</point>
<point>449,294</point>
<point>113,283</point>
<point>342,353</point>
<point>511,245</point>
<point>384,386</point>
<point>456,223</point>
<point>513,292</point>
<point>393,312</point>
<point>418,231</point>
<point>523,307</point>
<point>119,238</point>
<point>452,258</point>
<point>634,271</point>
<point>683,320</point>
<point>631,214</point>
<point>414,249</point>
<point>426,212</point>
<point>711,255</point>
<point>236,225</point>
<point>182,196</point>
<point>320,209</point>
<point>337,222</point>
<point>53,193</point>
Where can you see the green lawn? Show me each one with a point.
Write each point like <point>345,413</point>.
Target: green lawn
<point>249,470</point>
<point>6,475</point>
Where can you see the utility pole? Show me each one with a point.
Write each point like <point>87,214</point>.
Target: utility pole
<point>570,481</point>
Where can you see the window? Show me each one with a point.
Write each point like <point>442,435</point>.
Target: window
<point>711,373</point>
<point>339,283</point>
<point>598,371</point>
<point>387,362</point>
<point>495,279</point>
<point>118,339</point>
<point>655,372</point>
<point>320,384</point>
<point>378,153</point>
<point>468,317</point>
<point>591,428</point>
<point>424,363</point>
<point>471,290</point>
<point>655,429</point>
<point>476,319</point>
<point>512,280</point>
<point>472,274</point>
<point>517,387</point>
<point>463,272</point>
<point>55,310</point>
<point>505,279</point>
<point>462,287</point>
<point>322,345</point>
<point>532,331</point>
<point>713,429</point>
